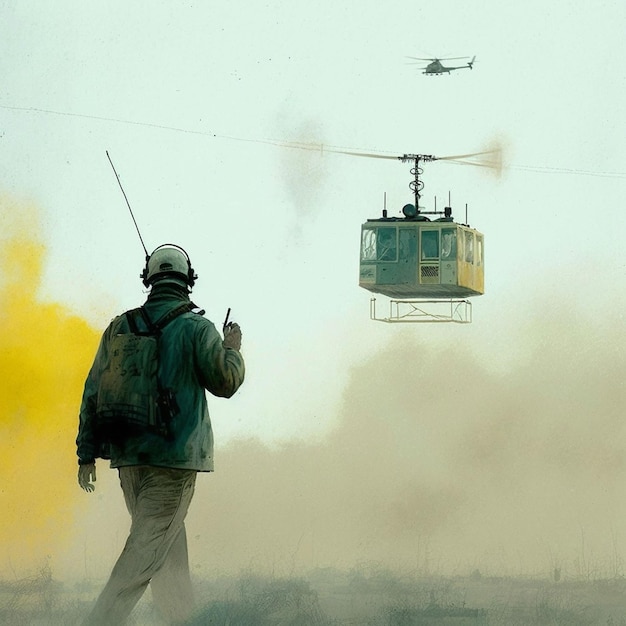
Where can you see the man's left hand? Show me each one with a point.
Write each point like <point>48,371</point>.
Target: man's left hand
<point>86,473</point>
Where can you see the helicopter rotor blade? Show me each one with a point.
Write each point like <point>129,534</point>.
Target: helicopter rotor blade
<point>369,155</point>
<point>490,158</point>
<point>469,155</point>
<point>321,148</point>
<point>438,58</point>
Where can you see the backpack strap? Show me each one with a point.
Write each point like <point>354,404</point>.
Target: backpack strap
<point>185,307</point>
<point>154,329</point>
<point>131,318</point>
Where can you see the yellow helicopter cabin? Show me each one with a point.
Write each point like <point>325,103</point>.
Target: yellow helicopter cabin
<point>412,257</point>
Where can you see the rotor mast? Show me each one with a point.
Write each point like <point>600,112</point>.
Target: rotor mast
<point>417,184</point>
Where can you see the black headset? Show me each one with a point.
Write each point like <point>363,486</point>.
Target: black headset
<point>191,273</point>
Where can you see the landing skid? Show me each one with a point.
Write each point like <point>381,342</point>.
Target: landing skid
<point>458,311</point>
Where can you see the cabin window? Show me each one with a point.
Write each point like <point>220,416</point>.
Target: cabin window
<point>479,250</point>
<point>368,244</point>
<point>469,247</point>
<point>408,244</point>
<point>430,244</point>
<point>448,244</point>
<point>379,244</point>
<point>386,245</point>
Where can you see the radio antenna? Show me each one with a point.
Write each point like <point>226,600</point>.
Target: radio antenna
<point>128,205</point>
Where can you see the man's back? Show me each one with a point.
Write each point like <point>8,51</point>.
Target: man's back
<point>191,359</point>
<point>157,462</point>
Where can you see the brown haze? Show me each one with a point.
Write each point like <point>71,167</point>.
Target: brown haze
<point>491,157</point>
<point>302,169</point>
<point>438,464</point>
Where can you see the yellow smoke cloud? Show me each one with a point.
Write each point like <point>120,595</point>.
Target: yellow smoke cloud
<point>45,353</point>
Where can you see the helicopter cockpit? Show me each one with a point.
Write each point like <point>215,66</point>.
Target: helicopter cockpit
<point>401,258</point>
<point>414,260</point>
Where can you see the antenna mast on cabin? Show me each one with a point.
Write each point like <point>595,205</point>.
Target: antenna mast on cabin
<point>417,184</point>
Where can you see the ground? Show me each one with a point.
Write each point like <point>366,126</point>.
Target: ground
<point>364,596</point>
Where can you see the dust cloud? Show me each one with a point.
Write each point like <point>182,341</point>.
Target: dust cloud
<point>45,353</point>
<point>440,465</point>
<point>437,463</point>
<point>491,157</point>
<point>303,168</point>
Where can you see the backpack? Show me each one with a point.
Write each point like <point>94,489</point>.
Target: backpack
<point>131,400</point>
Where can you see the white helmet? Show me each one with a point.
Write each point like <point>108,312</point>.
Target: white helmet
<point>168,261</point>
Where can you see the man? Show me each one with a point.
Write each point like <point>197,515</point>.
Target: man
<point>157,450</point>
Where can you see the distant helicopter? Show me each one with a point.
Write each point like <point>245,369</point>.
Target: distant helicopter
<point>436,67</point>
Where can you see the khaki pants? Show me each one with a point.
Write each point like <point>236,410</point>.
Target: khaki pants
<point>156,549</point>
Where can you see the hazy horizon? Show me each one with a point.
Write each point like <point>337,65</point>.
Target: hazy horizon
<point>497,445</point>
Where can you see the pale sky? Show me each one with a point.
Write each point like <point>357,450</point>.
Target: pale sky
<point>273,232</point>
<point>188,98</point>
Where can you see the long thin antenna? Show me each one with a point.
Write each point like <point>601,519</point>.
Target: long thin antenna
<point>128,205</point>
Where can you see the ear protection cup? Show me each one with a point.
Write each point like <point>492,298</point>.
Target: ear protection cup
<point>189,273</point>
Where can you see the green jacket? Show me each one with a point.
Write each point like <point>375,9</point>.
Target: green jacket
<point>192,359</point>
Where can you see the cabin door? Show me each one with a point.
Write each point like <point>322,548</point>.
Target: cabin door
<point>407,256</point>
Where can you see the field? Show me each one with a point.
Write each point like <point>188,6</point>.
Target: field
<point>366,595</point>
